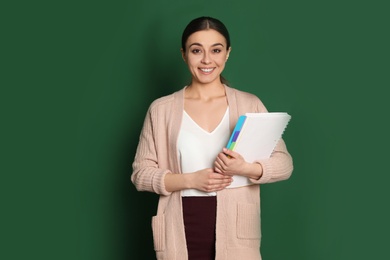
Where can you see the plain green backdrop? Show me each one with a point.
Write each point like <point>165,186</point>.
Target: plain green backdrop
<point>78,77</point>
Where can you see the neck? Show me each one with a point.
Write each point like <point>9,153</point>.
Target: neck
<point>205,91</point>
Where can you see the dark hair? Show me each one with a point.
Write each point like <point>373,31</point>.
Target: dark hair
<point>205,23</point>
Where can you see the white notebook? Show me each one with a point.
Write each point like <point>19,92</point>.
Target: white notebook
<point>255,137</point>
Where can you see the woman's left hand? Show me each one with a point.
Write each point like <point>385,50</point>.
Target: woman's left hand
<point>230,163</point>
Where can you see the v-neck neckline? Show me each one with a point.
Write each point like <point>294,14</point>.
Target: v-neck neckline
<point>216,128</point>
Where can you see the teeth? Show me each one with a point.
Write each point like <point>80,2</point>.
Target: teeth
<point>206,70</point>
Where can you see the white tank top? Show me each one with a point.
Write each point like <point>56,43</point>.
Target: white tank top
<point>197,148</point>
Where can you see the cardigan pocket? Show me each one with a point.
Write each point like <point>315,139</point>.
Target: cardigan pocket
<point>158,228</point>
<point>248,221</point>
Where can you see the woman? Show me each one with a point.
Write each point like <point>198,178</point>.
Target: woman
<point>180,156</point>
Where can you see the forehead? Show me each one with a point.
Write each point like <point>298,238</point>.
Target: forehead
<point>206,37</point>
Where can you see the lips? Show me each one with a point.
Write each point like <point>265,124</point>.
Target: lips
<point>207,70</point>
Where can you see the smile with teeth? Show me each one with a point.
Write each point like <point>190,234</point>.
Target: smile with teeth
<point>207,70</point>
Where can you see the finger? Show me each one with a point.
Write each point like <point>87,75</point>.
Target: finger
<point>230,153</point>
<point>221,163</point>
<point>223,176</point>
<point>217,166</point>
<point>219,157</point>
<point>218,187</point>
<point>220,178</point>
<point>223,157</point>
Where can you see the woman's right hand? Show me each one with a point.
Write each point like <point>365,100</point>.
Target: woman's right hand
<point>208,180</point>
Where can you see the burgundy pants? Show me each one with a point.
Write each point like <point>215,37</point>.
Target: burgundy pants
<point>199,221</point>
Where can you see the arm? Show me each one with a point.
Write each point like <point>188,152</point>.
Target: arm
<point>231,163</point>
<point>148,176</point>
<point>276,168</point>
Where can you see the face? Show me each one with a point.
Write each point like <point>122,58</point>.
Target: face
<point>206,55</point>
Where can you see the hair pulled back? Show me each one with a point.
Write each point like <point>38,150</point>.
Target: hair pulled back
<point>204,23</point>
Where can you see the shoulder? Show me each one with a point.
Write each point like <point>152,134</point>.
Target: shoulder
<point>245,95</point>
<point>248,100</point>
<point>162,101</point>
<point>166,102</point>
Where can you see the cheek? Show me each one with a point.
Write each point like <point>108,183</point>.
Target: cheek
<point>221,62</point>
<point>194,60</point>
<point>221,59</point>
<point>192,66</point>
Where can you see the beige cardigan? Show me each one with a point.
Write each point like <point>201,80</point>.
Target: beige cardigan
<point>238,231</point>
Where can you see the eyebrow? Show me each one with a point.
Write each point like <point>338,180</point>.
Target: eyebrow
<point>198,44</point>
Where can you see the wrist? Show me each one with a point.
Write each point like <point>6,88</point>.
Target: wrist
<point>254,170</point>
<point>188,180</point>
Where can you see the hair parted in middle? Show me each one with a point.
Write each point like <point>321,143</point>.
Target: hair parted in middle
<point>204,23</point>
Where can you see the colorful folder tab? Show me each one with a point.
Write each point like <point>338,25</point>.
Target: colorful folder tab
<point>236,132</point>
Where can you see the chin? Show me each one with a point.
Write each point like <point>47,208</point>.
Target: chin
<point>208,81</point>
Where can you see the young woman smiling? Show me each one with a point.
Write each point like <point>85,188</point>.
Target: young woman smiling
<point>180,156</point>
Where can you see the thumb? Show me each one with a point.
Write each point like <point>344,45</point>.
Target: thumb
<point>229,153</point>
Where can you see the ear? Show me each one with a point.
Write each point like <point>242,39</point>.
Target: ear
<point>228,53</point>
<point>183,55</point>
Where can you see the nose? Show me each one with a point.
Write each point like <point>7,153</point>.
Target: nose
<point>206,58</point>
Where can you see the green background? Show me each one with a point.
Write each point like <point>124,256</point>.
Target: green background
<point>77,78</point>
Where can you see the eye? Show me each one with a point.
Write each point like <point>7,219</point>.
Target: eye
<point>216,50</point>
<point>195,51</point>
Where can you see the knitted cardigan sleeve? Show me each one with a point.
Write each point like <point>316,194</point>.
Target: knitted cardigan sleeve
<point>280,165</point>
<point>147,176</point>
